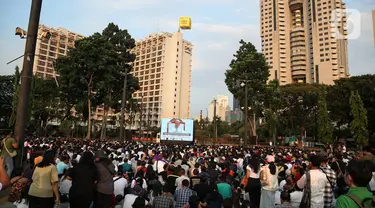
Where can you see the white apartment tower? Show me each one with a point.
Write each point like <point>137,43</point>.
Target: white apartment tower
<point>163,67</point>
<point>298,41</point>
<point>47,50</point>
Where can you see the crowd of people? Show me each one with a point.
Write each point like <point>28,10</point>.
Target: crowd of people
<point>82,173</point>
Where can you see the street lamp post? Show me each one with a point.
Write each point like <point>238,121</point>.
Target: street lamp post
<point>26,77</point>
<point>123,102</point>
<point>141,120</point>
<point>215,122</point>
<point>243,84</point>
<point>148,122</point>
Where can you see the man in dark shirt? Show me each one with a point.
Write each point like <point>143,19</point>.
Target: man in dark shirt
<point>202,188</point>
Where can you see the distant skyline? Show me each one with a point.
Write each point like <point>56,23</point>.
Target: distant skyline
<point>215,36</point>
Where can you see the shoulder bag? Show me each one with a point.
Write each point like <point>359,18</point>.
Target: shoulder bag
<point>13,154</point>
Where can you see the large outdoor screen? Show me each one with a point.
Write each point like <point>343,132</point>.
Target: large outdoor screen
<point>173,129</point>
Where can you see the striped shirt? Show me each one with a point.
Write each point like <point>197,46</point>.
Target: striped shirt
<point>328,191</point>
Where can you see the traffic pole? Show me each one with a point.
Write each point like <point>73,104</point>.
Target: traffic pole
<point>123,103</point>
<point>26,79</point>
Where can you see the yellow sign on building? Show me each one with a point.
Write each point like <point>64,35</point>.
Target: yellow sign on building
<point>185,23</point>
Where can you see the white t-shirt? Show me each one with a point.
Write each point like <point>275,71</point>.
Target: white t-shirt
<point>159,167</point>
<point>179,181</point>
<point>318,184</point>
<point>120,185</point>
<point>129,200</point>
<point>252,173</point>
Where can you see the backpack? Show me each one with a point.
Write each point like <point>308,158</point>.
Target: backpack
<point>361,204</point>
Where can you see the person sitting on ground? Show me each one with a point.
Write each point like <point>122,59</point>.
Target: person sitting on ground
<point>19,183</point>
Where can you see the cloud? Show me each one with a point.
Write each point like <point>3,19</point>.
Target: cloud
<point>361,51</point>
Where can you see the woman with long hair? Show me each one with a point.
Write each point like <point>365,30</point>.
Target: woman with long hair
<point>45,183</point>
<point>269,183</point>
<point>253,187</point>
<point>83,176</point>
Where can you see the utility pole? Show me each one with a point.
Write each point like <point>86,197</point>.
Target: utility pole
<point>246,112</point>
<point>215,123</point>
<point>26,78</point>
<point>123,103</point>
<point>141,120</point>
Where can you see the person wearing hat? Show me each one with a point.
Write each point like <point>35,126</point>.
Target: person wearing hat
<point>105,184</point>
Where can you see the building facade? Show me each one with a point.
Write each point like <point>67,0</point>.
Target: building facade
<point>47,50</point>
<point>373,23</point>
<point>234,116</point>
<point>163,67</point>
<point>221,107</point>
<point>236,104</point>
<point>299,43</point>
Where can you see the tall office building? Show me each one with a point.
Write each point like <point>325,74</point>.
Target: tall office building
<point>47,50</point>
<point>163,67</point>
<point>236,104</point>
<point>373,23</point>
<point>298,41</point>
<point>221,107</point>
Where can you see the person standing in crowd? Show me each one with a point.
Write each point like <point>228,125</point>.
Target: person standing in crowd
<point>318,182</point>
<point>253,186</point>
<point>182,177</point>
<point>8,151</point>
<point>182,195</point>
<point>357,176</point>
<point>45,183</point>
<point>331,177</point>
<point>165,200</point>
<point>105,184</point>
<point>269,183</point>
<point>84,176</point>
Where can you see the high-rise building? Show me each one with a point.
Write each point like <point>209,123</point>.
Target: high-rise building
<point>221,107</point>
<point>47,50</point>
<point>236,104</point>
<point>163,68</point>
<point>373,22</point>
<point>299,43</point>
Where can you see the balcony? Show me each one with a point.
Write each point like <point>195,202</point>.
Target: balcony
<point>295,4</point>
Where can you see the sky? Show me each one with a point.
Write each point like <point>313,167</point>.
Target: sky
<point>217,27</point>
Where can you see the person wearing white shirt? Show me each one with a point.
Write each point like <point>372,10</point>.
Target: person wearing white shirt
<point>269,183</point>
<point>120,184</point>
<point>179,180</point>
<point>318,182</point>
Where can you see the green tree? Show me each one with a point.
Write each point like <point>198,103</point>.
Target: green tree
<point>298,106</point>
<point>250,67</point>
<point>6,95</point>
<point>339,95</point>
<point>66,127</point>
<point>93,69</point>
<point>118,64</point>
<point>325,128</point>
<point>272,107</point>
<point>44,103</point>
<point>358,125</point>
<point>16,89</point>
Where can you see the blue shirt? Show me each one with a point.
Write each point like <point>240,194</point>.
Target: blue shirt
<point>61,166</point>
